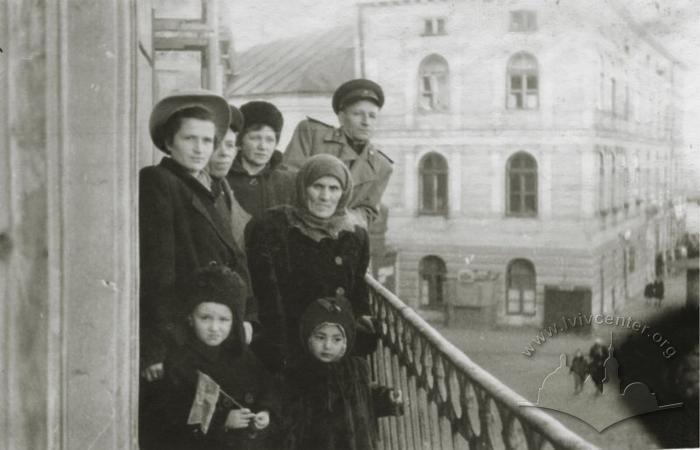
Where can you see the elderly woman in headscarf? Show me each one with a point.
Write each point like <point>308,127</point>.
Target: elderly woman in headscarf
<point>298,253</point>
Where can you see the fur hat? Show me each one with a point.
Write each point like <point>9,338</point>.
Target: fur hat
<point>177,101</point>
<point>355,90</point>
<point>328,310</point>
<point>216,283</point>
<point>265,113</point>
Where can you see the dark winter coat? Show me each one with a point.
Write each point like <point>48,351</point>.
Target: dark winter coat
<point>180,231</point>
<point>289,270</point>
<point>242,377</point>
<point>331,406</point>
<point>579,366</point>
<point>597,355</point>
<point>272,186</point>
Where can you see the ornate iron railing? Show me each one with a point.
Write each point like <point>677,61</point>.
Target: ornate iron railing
<point>450,402</point>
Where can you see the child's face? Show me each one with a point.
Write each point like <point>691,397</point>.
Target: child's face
<point>212,323</point>
<point>327,343</point>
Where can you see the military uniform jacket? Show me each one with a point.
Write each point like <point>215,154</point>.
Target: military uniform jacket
<point>370,170</point>
<point>180,231</point>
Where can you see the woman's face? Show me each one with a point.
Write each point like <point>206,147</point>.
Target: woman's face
<point>222,158</point>
<point>323,196</point>
<point>258,145</point>
<point>193,144</point>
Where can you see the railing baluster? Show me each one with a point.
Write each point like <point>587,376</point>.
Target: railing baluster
<point>451,403</point>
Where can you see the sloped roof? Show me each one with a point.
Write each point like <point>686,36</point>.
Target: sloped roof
<point>312,63</point>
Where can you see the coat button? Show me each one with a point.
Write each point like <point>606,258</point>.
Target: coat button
<point>340,291</point>
<point>338,261</point>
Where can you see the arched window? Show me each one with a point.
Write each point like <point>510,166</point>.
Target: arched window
<point>523,82</point>
<point>434,84</point>
<point>521,287</point>
<point>521,178</point>
<point>432,281</point>
<point>433,184</point>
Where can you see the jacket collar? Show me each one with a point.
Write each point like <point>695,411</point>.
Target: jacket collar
<point>215,220</point>
<point>275,160</point>
<point>347,153</point>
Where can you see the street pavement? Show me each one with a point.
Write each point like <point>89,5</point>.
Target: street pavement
<point>501,352</point>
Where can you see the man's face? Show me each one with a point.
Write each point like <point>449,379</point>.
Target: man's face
<point>193,144</point>
<point>359,119</point>
<point>222,158</point>
<point>328,343</point>
<point>257,146</point>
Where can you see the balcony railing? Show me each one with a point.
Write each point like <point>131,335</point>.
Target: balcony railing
<point>450,402</point>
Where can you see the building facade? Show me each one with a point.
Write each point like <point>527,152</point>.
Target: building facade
<point>534,175</point>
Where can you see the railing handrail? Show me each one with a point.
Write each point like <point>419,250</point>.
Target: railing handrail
<point>547,425</point>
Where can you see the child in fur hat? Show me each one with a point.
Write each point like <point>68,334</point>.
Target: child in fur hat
<point>246,410</point>
<point>328,402</point>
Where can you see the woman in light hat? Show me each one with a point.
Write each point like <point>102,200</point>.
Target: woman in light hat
<point>309,250</point>
<point>180,228</point>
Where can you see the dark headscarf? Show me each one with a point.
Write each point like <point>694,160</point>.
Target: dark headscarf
<point>316,167</point>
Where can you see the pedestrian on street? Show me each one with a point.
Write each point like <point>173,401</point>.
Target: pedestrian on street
<point>597,356</point>
<point>579,369</point>
<point>659,290</point>
<point>357,104</point>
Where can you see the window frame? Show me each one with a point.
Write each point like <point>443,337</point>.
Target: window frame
<point>522,21</point>
<point>521,310</point>
<point>522,172</point>
<point>524,92</point>
<point>439,277</point>
<point>434,173</point>
<point>435,68</point>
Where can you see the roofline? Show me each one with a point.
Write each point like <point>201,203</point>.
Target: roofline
<point>273,93</point>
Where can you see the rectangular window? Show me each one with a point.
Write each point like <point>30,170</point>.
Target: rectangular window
<point>523,20</point>
<point>434,26</point>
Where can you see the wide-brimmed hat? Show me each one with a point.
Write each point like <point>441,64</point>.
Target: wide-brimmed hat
<point>177,101</point>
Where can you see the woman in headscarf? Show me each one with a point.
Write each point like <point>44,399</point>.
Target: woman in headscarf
<point>315,248</point>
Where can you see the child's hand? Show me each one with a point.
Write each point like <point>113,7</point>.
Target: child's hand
<point>262,420</point>
<point>153,372</point>
<point>238,418</point>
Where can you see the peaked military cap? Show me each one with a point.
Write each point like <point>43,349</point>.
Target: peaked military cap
<point>264,113</point>
<point>237,122</point>
<point>177,101</point>
<point>358,89</point>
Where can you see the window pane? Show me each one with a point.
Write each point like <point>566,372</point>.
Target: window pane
<point>428,193</point>
<point>515,206</point>
<point>441,26</point>
<point>532,102</point>
<point>426,84</point>
<point>530,204</point>
<point>428,26</point>
<point>532,81</point>
<point>176,70</point>
<point>514,184</point>
<point>529,302</point>
<point>178,9</point>
<point>515,82</point>
<point>529,183</point>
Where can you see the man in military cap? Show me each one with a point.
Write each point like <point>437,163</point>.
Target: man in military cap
<point>357,104</point>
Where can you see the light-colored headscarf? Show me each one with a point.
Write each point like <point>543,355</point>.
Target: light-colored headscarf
<point>319,166</point>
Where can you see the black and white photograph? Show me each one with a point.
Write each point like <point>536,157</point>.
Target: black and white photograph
<point>349,224</point>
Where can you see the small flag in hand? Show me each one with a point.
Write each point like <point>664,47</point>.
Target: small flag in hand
<point>204,402</point>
